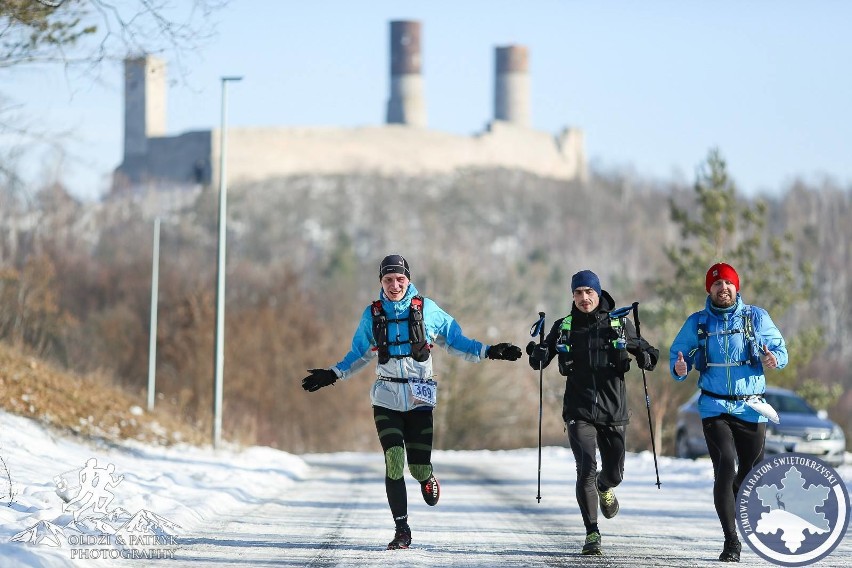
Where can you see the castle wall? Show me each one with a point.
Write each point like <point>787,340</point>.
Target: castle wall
<point>259,153</point>
<point>183,159</point>
<point>403,146</point>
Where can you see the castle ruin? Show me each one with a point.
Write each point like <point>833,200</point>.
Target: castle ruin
<point>403,146</point>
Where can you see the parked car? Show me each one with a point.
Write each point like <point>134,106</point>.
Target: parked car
<point>802,429</point>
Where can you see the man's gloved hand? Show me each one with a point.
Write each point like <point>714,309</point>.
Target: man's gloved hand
<point>504,351</point>
<point>538,354</point>
<point>318,378</point>
<point>644,361</point>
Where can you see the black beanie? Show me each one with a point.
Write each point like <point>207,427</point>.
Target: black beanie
<point>394,264</point>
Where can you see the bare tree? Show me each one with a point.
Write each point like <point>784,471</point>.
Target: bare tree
<point>90,31</point>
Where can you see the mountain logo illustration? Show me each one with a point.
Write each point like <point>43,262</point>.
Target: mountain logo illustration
<point>146,522</point>
<point>42,533</point>
<point>793,509</point>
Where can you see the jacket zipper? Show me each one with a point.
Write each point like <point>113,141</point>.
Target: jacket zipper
<point>592,372</point>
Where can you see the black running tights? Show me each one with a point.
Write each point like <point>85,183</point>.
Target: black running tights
<point>609,440</point>
<point>735,446</point>
<point>404,435</point>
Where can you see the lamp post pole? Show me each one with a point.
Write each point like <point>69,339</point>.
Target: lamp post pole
<point>219,356</point>
<point>152,339</point>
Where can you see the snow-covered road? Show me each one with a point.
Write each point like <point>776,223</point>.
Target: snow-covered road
<point>262,507</point>
<point>488,516</point>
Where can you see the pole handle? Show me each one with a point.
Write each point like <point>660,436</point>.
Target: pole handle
<point>636,318</point>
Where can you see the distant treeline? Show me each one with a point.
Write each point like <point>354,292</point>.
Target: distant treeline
<point>491,247</point>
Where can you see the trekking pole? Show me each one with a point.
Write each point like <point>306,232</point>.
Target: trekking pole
<point>647,398</point>
<point>538,329</point>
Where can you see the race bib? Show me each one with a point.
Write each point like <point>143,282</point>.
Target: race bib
<point>424,392</point>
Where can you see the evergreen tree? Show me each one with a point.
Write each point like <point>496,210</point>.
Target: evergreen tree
<point>721,227</point>
<point>717,225</point>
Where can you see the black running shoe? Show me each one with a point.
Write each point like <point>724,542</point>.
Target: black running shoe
<point>607,500</point>
<point>431,490</point>
<point>402,538</point>
<point>592,546</point>
<point>731,552</point>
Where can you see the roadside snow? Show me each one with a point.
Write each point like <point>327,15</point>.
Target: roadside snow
<point>196,506</point>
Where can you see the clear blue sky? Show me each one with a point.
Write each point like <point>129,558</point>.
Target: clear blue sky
<point>654,84</point>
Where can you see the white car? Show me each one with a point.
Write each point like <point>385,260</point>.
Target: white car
<point>802,429</point>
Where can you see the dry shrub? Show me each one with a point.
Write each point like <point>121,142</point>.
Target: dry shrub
<point>90,406</point>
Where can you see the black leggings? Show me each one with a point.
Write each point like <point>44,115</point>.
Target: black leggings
<point>731,440</point>
<point>404,435</point>
<point>585,438</point>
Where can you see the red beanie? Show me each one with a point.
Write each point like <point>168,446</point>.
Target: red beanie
<point>722,271</point>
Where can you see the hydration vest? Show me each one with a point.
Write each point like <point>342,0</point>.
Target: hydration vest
<point>700,353</point>
<point>612,352</point>
<point>416,332</point>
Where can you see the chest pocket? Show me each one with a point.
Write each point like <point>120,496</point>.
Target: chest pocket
<point>607,346</point>
<point>750,349</point>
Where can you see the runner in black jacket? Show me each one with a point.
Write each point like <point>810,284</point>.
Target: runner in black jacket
<point>593,351</point>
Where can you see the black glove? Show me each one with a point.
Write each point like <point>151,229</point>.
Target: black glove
<point>504,351</point>
<point>644,361</point>
<point>537,353</point>
<point>318,378</point>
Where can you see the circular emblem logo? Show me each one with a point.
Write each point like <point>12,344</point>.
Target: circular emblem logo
<point>793,509</point>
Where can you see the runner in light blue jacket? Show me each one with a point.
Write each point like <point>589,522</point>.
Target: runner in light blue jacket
<point>400,329</point>
<point>441,329</point>
<point>729,343</point>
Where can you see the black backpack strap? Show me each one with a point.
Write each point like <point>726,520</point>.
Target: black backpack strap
<point>730,397</point>
<point>380,331</point>
<point>420,346</point>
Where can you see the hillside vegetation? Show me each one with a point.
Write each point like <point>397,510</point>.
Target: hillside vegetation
<point>87,406</point>
<point>492,247</point>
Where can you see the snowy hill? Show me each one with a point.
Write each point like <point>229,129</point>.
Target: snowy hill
<point>163,488</point>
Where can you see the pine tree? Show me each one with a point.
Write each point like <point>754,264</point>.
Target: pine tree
<point>717,225</point>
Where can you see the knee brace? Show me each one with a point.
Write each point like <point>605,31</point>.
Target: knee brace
<point>394,462</point>
<point>420,472</point>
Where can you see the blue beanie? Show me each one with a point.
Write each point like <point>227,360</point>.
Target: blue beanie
<point>586,279</point>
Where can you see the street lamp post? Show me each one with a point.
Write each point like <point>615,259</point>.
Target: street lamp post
<point>219,357</point>
<point>152,338</point>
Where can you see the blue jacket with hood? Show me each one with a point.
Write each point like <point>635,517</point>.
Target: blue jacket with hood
<point>441,329</point>
<point>721,348</point>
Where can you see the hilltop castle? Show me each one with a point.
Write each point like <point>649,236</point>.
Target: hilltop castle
<point>404,145</point>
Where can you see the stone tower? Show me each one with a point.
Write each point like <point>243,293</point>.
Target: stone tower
<point>512,85</point>
<point>406,104</point>
<point>144,104</point>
